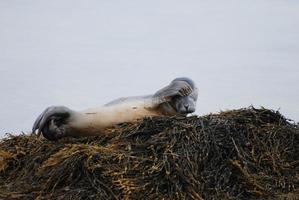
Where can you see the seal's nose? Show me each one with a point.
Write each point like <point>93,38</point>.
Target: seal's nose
<point>186,107</point>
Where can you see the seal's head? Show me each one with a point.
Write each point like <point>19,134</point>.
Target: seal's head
<point>182,102</point>
<point>185,104</point>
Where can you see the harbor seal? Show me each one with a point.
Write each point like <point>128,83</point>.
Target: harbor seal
<point>177,98</point>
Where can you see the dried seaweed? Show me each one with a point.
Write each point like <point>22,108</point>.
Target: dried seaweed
<point>240,154</point>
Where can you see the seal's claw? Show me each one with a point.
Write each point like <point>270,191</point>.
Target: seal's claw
<point>185,90</point>
<point>36,124</point>
<point>51,123</point>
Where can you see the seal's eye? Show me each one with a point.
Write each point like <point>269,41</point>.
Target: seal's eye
<point>175,98</point>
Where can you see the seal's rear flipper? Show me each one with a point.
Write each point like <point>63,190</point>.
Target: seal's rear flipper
<point>51,123</point>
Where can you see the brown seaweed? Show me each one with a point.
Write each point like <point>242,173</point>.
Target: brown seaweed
<point>239,154</point>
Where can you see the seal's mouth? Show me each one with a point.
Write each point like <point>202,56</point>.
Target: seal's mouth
<point>186,110</point>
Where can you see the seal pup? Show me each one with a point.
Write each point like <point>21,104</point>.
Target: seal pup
<point>177,98</point>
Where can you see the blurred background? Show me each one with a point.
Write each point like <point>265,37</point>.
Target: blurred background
<point>83,54</point>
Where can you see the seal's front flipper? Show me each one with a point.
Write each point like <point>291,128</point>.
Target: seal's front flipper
<point>52,122</point>
<point>175,88</point>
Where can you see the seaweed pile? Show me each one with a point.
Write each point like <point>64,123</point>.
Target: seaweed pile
<point>239,154</point>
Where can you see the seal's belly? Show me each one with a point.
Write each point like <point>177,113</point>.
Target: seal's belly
<point>99,119</point>
<point>126,112</point>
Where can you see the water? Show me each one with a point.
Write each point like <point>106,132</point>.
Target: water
<point>85,53</point>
